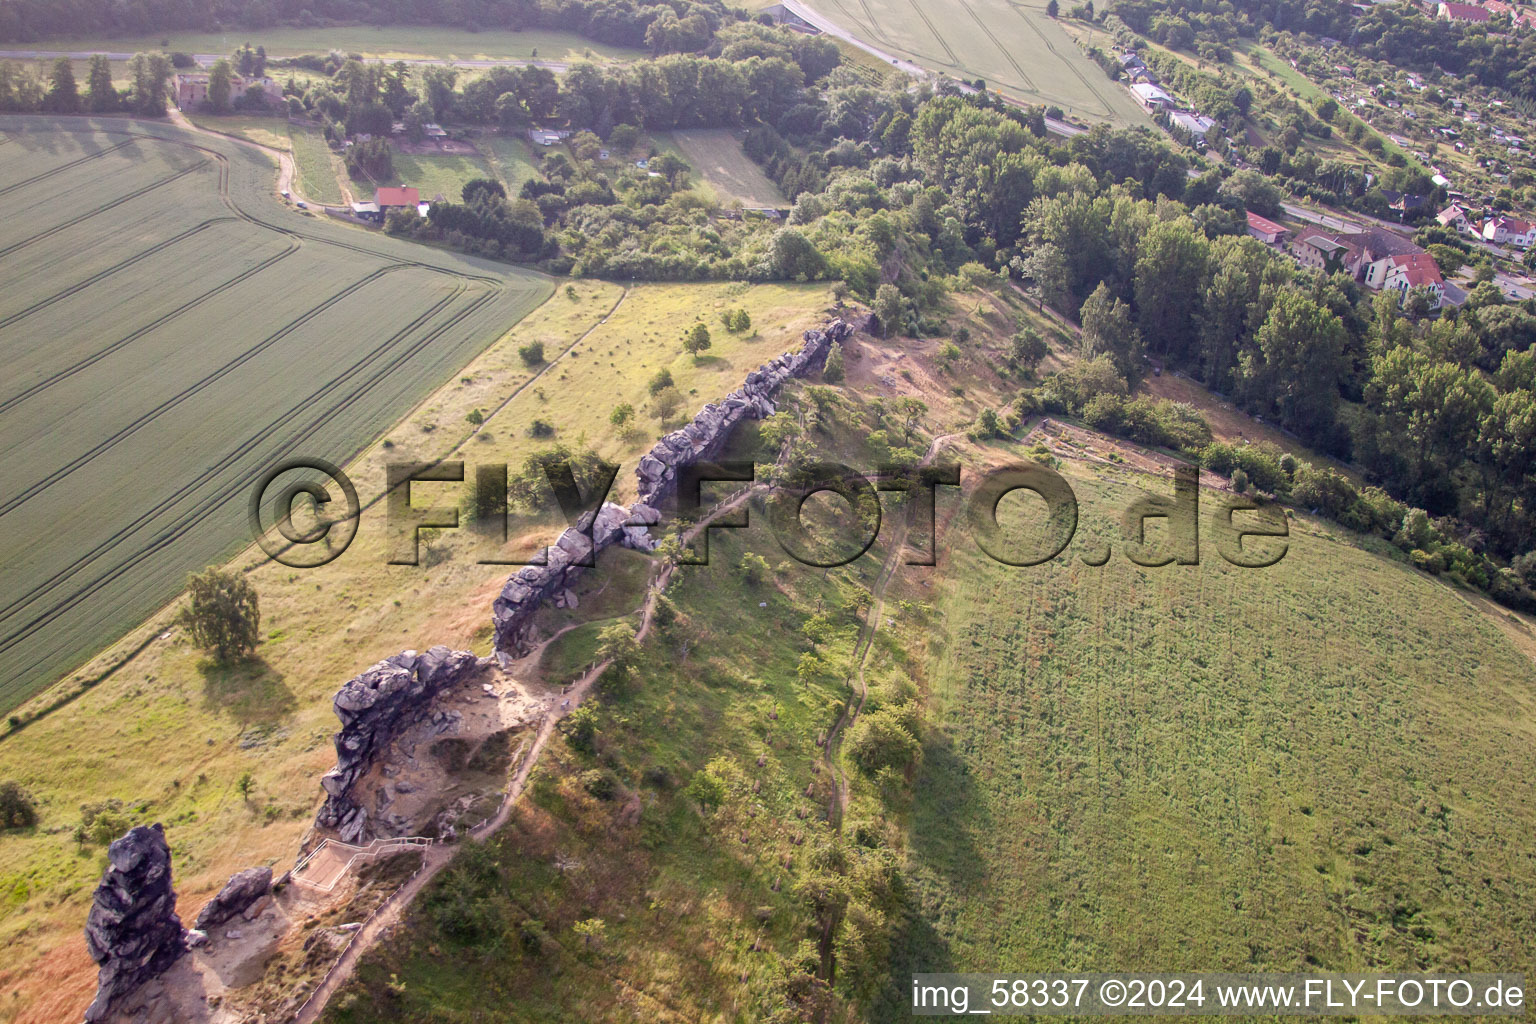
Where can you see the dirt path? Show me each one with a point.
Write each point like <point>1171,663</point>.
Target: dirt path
<point>285,165</point>
<point>861,656</point>
<point>386,917</point>
<point>438,857</point>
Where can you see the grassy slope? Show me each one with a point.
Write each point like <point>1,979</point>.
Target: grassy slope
<point>398,41</point>
<point>1204,767</point>
<point>685,897</point>
<point>164,733</point>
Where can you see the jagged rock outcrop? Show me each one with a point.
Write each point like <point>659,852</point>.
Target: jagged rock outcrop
<point>703,439</point>
<point>242,890</point>
<point>132,931</point>
<point>375,707</point>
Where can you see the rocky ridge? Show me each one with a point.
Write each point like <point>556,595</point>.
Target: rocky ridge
<point>374,707</point>
<point>531,587</point>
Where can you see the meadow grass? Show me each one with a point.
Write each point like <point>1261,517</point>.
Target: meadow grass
<point>717,156</point>
<point>511,158</point>
<point>435,174</point>
<point>1205,767</point>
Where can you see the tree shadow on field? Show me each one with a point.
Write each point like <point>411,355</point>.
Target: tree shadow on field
<point>250,691</point>
<point>704,362</point>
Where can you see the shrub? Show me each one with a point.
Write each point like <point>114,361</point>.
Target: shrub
<point>882,739</point>
<point>1260,463</point>
<point>16,807</point>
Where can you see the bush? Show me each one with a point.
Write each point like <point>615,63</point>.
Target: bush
<point>532,354</point>
<point>1260,464</point>
<point>884,739</point>
<point>16,807</point>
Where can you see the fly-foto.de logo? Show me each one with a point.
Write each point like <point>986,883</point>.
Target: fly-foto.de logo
<point>822,514</point>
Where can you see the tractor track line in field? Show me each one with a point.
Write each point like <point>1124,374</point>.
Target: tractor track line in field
<point>1093,90</point>
<point>954,61</point>
<point>176,529</point>
<point>190,487</point>
<point>144,419</point>
<point>62,167</point>
<point>102,275</point>
<point>120,200</point>
<point>190,304</point>
<point>1029,83</point>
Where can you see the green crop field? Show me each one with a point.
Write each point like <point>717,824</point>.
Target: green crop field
<point>716,156</point>
<point>405,42</point>
<point>1205,767</point>
<point>1013,46</point>
<point>170,330</point>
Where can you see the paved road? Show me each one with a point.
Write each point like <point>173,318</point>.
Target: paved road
<point>831,28</point>
<point>206,59</point>
<point>1328,220</point>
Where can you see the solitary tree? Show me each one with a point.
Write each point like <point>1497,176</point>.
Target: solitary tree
<point>245,786</point>
<point>622,414</point>
<point>16,807</point>
<point>223,616</point>
<point>593,928</point>
<point>696,340</point>
<point>833,372</point>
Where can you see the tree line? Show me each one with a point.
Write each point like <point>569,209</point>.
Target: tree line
<point>23,91</point>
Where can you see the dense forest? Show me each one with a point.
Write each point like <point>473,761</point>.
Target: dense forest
<point>665,25</point>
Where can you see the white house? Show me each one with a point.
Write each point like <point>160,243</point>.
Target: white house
<point>1193,123</point>
<point>1151,97</point>
<point>1406,273</point>
<point>1509,231</point>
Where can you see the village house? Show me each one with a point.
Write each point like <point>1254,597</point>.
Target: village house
<point>547,136</point>
<point>1460,12</point>
<point>1509,231</point>
<point>1367,256</point>
<point>1196,125</point>
<point>1455,216</point>
<point>1151,97</point>
<point>191,89</point>
<point>1405,273</point>
<point>388,198</point>
<point>1265,230</point>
